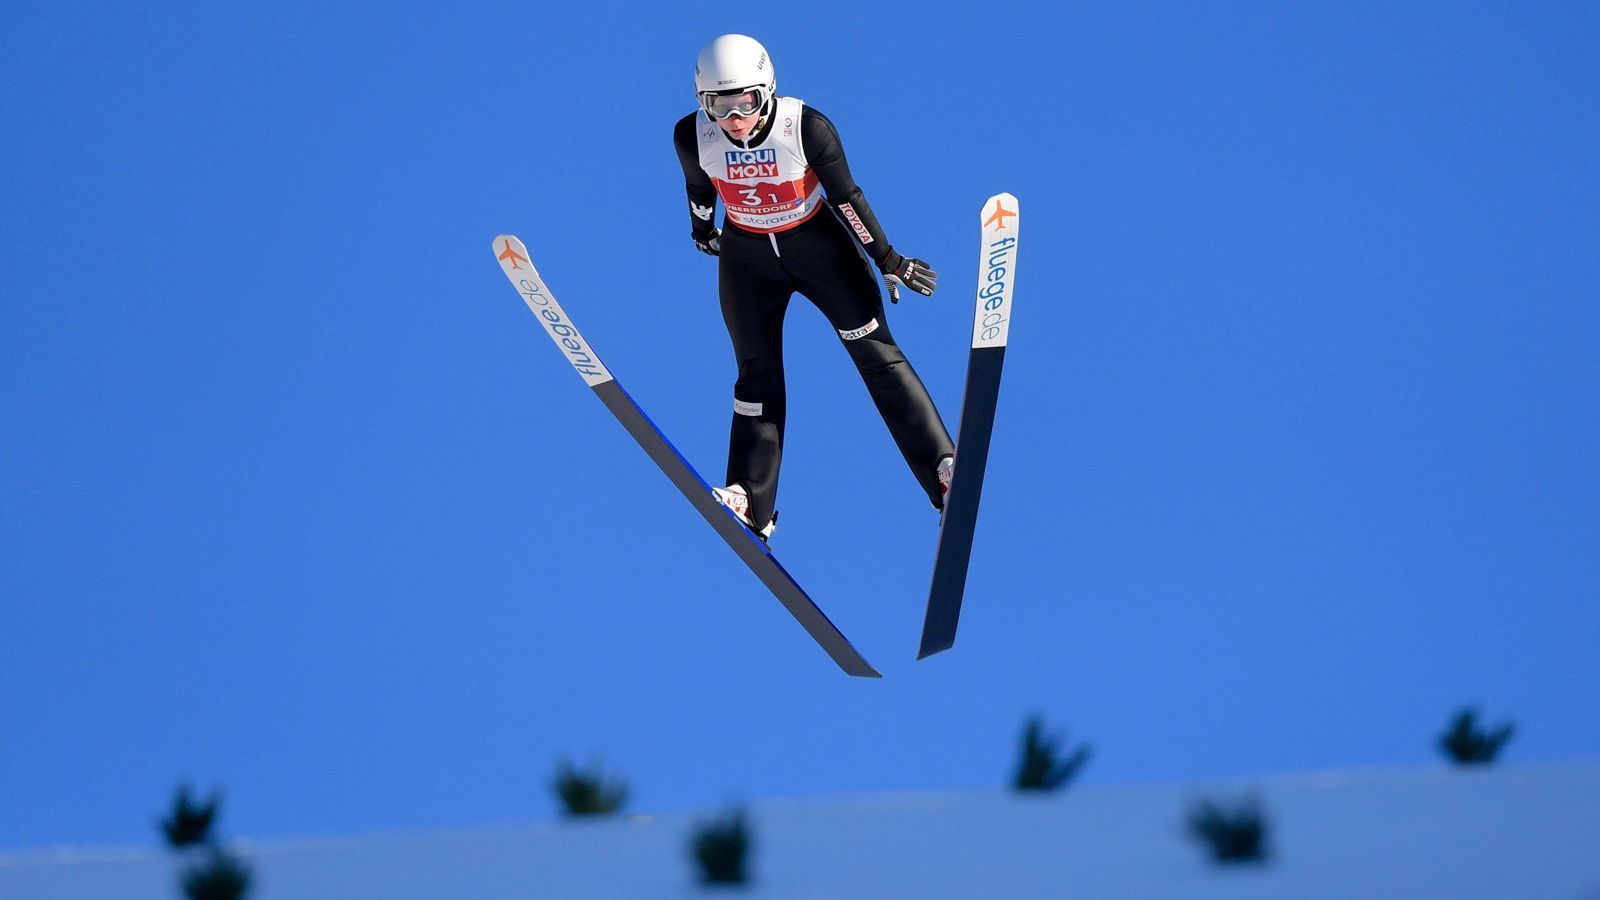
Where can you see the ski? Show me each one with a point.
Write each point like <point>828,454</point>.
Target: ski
<point>514,261</point>
<point>991,323</point>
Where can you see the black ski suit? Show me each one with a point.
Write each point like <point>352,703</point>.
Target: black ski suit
<point>822,259</point>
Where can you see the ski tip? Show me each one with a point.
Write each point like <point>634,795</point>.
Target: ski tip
<point>511,252</point>
<point>850,662</point>
<point>999,213</point>
<point>929,649</point>
<point>854,664</point>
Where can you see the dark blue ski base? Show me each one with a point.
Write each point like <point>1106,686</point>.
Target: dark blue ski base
<point>512,255</point>
<point>960,518</point>
<point>744,542</point>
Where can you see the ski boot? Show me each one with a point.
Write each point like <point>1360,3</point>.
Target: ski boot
<point>946,470</point>
<point>736,500</point>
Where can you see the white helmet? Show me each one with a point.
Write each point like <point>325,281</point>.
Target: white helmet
<point>730,67</point>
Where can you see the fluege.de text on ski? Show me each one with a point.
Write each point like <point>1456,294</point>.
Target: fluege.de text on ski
<point>995,292</point>
<point>567,336</point>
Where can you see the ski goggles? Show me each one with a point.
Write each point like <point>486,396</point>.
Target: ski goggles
<point>742,103</point>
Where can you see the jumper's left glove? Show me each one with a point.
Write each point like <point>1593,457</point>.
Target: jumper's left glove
<point>907,271</point>
<point>708,242</point>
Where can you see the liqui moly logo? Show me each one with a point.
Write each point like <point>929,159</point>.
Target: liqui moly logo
<point>752,163</point>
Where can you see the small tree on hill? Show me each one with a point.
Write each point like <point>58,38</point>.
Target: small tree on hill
<point>588,792</point>
<point>1040,766</point>
<point>721,848</point>
<point>189,822</point>
<point>220,877</point>
<point>1232,834</point>
<point>189,830</point>
<point>1467,744</point>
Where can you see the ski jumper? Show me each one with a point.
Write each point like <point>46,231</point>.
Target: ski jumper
<point>795,221</point>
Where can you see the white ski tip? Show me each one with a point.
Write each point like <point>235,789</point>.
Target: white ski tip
<point>511,252</point>
<point>1000,215</point>
<point>997,264</point>
<point>514,261</point>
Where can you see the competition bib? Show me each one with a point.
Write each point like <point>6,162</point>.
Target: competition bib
<point>768,187</point>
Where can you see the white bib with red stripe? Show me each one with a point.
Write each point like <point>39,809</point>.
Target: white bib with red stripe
<point>768,187</point>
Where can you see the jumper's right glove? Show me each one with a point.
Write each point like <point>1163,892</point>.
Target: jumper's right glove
<point>907,271</point>
<point>709,242</point>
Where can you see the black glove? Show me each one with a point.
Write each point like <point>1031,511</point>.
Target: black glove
<point>709,242</point>
<point>906,271</point>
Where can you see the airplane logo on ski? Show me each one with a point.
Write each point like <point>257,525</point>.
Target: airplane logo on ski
<point>512,256</point>
<point>998,220</point>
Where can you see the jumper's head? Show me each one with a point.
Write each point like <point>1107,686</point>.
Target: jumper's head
<point>735,83</point>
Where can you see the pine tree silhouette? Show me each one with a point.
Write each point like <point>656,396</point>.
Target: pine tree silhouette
<point>588,792</point>
<point>721,847</point>
<point>1040,767</point>
<point>1467,744</point>
<point>1232,835</point>
<point>188,830</point>
<point>221,877</point>
<point>189,823</point>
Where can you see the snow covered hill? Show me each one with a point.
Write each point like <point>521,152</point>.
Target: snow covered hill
<point>1510,832</point>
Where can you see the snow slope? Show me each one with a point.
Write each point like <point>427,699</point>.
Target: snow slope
<point>1504,833</point>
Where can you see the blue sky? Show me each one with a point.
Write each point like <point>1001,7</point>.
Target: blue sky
<point>1296,450</point>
